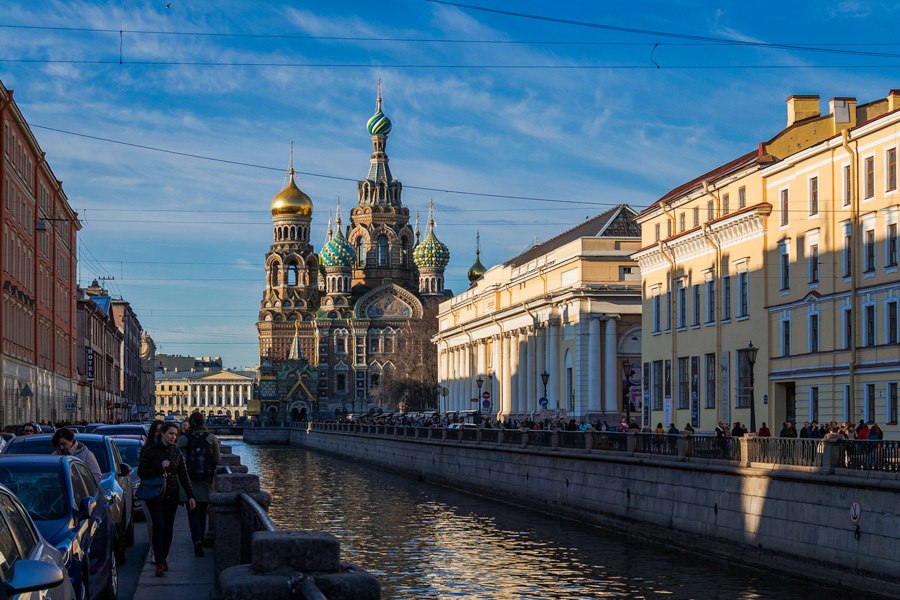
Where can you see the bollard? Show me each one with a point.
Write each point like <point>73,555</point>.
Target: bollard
<point>830,456</point>
<point>554,439</point>
<point>500,436</point>
<point>632,442</point>
<point>589,440</point>
<point>744,444</point>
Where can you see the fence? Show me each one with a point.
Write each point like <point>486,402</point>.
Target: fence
<point>868,455</point>
<point>786,451</point>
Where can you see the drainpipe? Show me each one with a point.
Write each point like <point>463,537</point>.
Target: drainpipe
<point>854,255</point>
<point>713,241</point>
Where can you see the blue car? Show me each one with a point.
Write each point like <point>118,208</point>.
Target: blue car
<point>70,512</point>
<point>116,480</point>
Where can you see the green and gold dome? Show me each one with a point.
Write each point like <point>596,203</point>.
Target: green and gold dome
<point>431,253</point>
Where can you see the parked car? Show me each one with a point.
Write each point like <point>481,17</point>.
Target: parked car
<point>115,480</point>
<point>90,427</point>
<point>138,430</point>
<point>60,496</point>
<point>18,429</point>
<point>130,449</point>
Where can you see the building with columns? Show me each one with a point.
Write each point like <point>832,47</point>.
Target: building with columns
<point>568,308</point>
<point>213,393</point>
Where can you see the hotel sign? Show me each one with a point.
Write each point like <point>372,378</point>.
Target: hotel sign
<point>89,363</point>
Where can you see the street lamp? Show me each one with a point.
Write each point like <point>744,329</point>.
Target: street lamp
<point>626,388</point>
<point>545,377</point>
<point>751,358</point>
<point>479,382</point>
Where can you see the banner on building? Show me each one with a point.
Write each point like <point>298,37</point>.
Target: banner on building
<point>89,363</point>
<point>695,391</point>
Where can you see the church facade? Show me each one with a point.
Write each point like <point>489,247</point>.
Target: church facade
<point>348,328</point>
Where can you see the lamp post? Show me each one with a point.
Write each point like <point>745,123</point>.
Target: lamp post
<point>626,388</point>
<point>479,382</point>
<point>751,358</point>
<point>545,377</point>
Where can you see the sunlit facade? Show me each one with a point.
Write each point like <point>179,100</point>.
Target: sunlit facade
<point>792,247</point>
<point>219,393</point>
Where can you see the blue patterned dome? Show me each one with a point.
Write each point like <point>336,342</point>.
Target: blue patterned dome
<point>337,252</point>
<point>431,253</point>
<point>379,124</point>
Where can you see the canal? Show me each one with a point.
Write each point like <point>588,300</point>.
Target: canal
<point>425,541</point>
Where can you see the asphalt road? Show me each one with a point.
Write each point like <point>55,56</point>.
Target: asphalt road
<point>135,557</point>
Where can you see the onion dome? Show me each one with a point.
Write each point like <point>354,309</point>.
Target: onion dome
<point>431,253</point>
<point>337,252</point>
<point>477,270</point>
<point>291,201</point>
<point>379,124</point>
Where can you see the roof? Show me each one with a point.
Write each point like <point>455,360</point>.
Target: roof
<point>616,222</point>
<point>197,375</point>
<point>104,302</point>
<point>737,163</point>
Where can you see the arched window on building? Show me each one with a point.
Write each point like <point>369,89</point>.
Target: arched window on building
<point>404,253</point>
<point>273,274</point>
<point>383,251</point>
<point>293,272</point>
<point>361,252</point>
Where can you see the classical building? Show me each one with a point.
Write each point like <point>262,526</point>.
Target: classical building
<point>38,247</point>
<point>338,328</point>
<point>178,362</point>
<point>213,393</point>
<point>792,247</point>
<point>566,311</point>
<point>99,362</point>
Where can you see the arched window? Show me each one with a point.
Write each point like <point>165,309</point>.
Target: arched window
<point>404,253</point>
<point>361,252</point>
<point>383,251</point>
<point>273,274</point>
<point>293,272</point>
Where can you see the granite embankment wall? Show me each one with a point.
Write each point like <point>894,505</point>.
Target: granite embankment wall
<point>792,519</point>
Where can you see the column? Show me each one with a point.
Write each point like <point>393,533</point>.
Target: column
<point>541,363</point>
<point>454,379</point>
<point>513,340</point>
<point>495,370</point>
<point>205,394</point>
<point>505,377</point>
<point>553,368</point>
<point>610,369</point>
<point>530,395</point>
<point>522,341</point>
<point>593,399</point>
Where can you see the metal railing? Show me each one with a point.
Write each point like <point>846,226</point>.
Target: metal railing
<point>802,452</point>
<point>712,447</point>
<point>611,441</point>
<point>512,437</point>
<point>657,443</point>
<point>572,439</point>
<point>868,455</point>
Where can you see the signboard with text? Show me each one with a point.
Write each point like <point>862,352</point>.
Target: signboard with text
<point>89,363</point>
<point>69,404</point>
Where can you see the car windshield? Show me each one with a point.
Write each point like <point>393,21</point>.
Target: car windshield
<point>121,430</point>
<point>42,490</point>
<point>130,453</point>
<point>42,446</point>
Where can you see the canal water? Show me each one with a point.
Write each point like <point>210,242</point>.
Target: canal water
<point>426,541</point>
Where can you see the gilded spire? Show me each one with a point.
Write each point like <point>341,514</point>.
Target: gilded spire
<point>430,215</point>
<point>328,231</point>
<point>477,270</point>
<point>418,233</point>
<point>291,201</point>
<point>291,164</point>
<point>337,220</point>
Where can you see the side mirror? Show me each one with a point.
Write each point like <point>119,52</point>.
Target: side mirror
<point>33,575</point>
<point>124,469</point>
<point>86,509</point>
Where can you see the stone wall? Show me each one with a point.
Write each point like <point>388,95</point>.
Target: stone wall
<point>792,519</point>
<point>267,435</point>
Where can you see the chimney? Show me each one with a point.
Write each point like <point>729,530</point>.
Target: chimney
<point>801,107</point>
<point>843,113</point>
<point>893,100</point>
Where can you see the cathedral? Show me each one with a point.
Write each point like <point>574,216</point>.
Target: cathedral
<point>348,329</point>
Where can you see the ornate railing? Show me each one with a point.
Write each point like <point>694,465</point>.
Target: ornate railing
<point>786,451</point>
<point>712,447</point>
<point>611,441</point>
<point>572,439</point>
<point>868,455</point>
<point>490,436</point>
<point>657,443</point>
<point>512,436</point>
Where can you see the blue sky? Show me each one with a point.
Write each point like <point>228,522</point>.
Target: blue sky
<point>185,238</point>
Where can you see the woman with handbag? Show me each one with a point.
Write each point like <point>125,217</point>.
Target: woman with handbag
<point>161,471</point>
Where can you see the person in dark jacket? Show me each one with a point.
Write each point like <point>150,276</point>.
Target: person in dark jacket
<point>162,458</point>
<point>197,435</point>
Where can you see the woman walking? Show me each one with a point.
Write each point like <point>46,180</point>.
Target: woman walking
<point>162,458</point>
<point>202,455</point>
<point>152,437</point>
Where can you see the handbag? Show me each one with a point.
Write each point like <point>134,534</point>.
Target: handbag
<point>152,489</point>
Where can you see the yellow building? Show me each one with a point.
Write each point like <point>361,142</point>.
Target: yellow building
<point>568,308</point>
<point>792,247</point>
<point>220,393</point>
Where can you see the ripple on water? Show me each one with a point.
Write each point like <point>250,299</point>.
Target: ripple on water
<point>425,542</point>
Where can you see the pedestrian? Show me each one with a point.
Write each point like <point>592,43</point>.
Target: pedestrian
<point>27,429</point>
<point>65,443</point>
<point>162,458</point>
<point>764,431</point>
<point>202,454</point>
<point>152,437</point>
<point>788,430</point>
<point>185,426</point>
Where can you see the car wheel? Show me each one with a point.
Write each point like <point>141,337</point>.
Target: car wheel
<point>111,590</point>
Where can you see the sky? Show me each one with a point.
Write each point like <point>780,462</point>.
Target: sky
<point>519,126</point>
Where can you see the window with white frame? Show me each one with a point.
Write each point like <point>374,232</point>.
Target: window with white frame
<point>785,207</point>
<point>684,383</point>
<point>870,402</point>
<point>682,304</point>
<point>890,170</point>
<point>784,254</point>
<point>869,178</point>
<point>710,211</point>
<point>710,300</point>
<point>786,337</point>
<point>656,232</point>
<point>696,216</point>
<point>891,325</point>
<point>742,197</point>
<point>726,208</point>
<point>743,294</point>
<point>813,332</point>
<point>696,288</point>
<point>869,246</point>
<point>726,298</point>
<point>657,313</point>
<point>682,221</point>
<point>890,236</point>
<point>813,196</point>
<point>813,403</point>
<point>711,366</point>
<point>871,337</point>
<point>812,259</point>
<point>892,400</point>
<point>669,311</point>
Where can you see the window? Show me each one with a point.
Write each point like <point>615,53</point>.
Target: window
<point>684,383</point>
<point>696,304</point>
<point>682,306</point>
<point>869,169</point>
<point>657,385</point>
<point>657,314</point>
<point>656,232</point>
<point>848,183</point>
<point>711,301</point>
<point>784,250</point>
<point>361,252</point>
<point>870,325</point>
<point>340,383</point>
<point>374,344</point>
<point>848,328</point>
<point>785,205</point>
<point>814,332</point>
<point>744,375</point>
<point>383,252</point>
<point>710,381</point>
<point>668,229</point>
<point>710,211</point>
<point>813,263</point>
<point>870,402</point>
<point>869,250</point>
<point>340,345</point>
<point>668,311</point>
<point>892,402</point>
<point>813,196</point>
<point>848,249</point>
<point>813,403</point>
<point>9,550</point>
<point>742,197</point>
<point>682,221</point>
<point>725,204</point>
<point>892,333</point>
<point>726,298</point>
<point>891,246</point>
<point>743,294</point>
<point>20,525</point>
<point>696,216</point>
<point>890,170</point>
<point>786,337</point>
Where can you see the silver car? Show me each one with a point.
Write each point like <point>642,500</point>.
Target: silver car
<point>30,568</point>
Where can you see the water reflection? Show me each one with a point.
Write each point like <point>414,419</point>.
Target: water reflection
<point>424,541</point>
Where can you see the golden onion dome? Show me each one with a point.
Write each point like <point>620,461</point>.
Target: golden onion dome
<point>291,201</point>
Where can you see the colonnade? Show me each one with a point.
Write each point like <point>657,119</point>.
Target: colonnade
<point>519,356</point>
<point>219,394</point>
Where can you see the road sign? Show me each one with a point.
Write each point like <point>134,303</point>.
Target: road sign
<point>855,512</point>
<point>486,395</point>
<point>69,404</point>
<point>543,402</point>
<point>486,404</point>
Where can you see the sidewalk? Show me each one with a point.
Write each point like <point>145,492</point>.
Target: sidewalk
<point>189,577</point>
